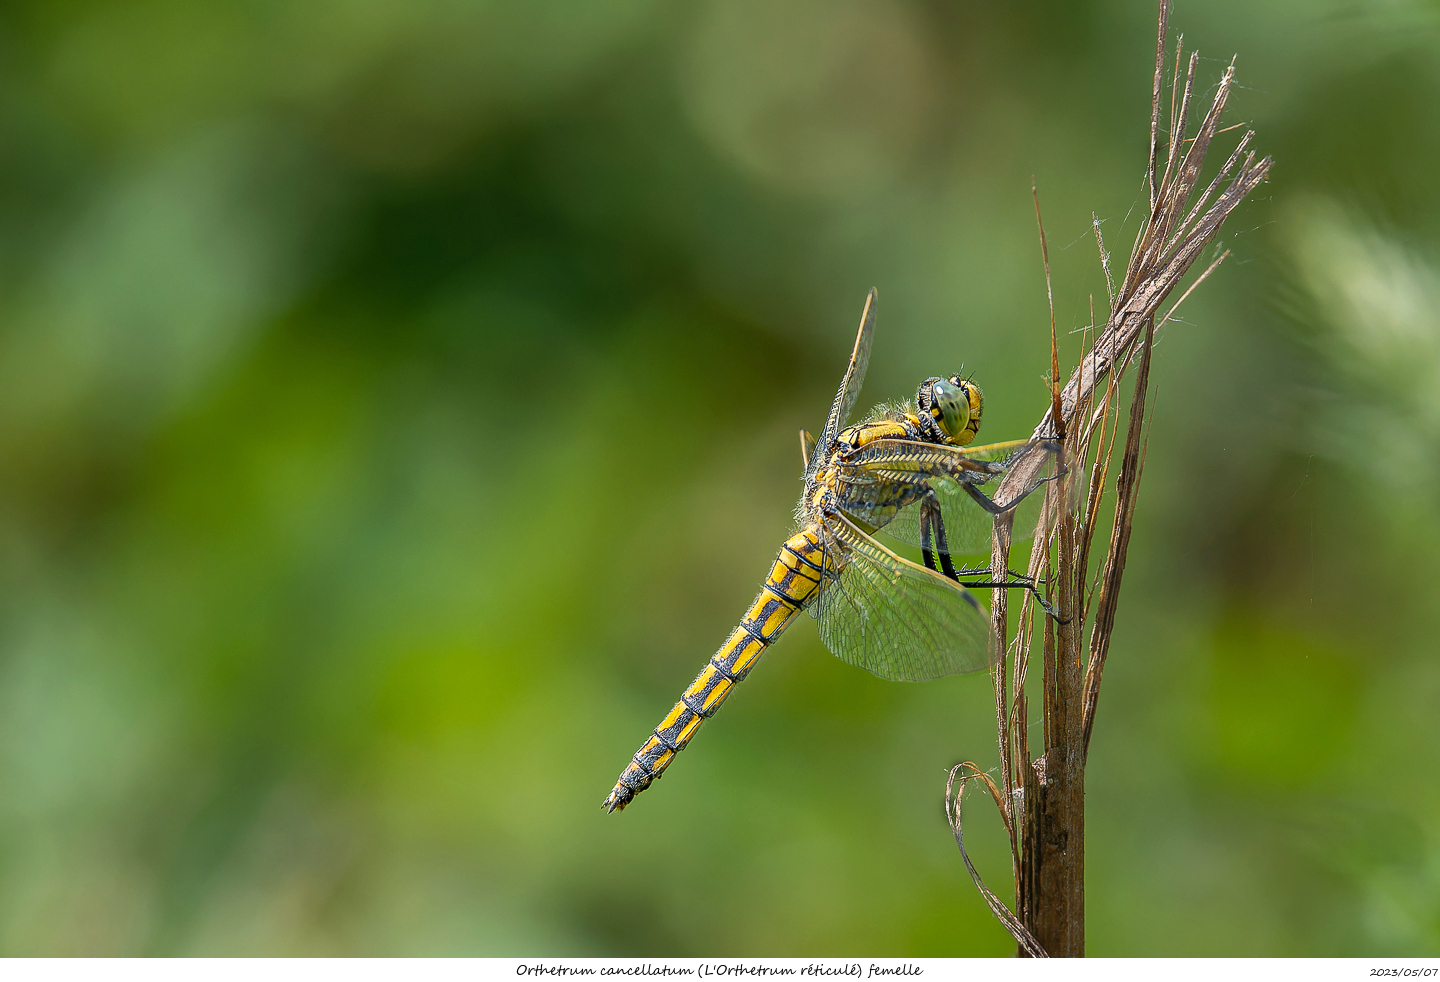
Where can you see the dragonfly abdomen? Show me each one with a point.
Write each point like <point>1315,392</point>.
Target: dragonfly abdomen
<point>792,584</point>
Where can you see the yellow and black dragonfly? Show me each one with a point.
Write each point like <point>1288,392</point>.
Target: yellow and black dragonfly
<point>910,471</point>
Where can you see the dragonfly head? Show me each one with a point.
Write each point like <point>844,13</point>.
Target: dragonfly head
<point>950,409</point>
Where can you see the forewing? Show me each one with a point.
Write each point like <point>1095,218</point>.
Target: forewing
<point>899,620</point>
<point>885,474</point>
<point>854,378</point>
<point>968,527</point>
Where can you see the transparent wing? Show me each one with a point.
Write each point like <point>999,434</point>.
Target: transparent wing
<point>897,619</point>
<point>967,525</point>
<point>854,378</point>
<point>874,482</point>
<point>1028,467</point>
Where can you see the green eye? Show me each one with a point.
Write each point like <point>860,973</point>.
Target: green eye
<point>953,403</point>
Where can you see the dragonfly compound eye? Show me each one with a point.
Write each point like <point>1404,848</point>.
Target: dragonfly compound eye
<point>951,405</point>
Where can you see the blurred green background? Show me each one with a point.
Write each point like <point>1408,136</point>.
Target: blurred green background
<point>398,405</point>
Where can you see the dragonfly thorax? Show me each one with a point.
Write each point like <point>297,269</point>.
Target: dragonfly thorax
<point>949,410</point>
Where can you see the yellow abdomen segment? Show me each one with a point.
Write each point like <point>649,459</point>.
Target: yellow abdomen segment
<point>793,581</point>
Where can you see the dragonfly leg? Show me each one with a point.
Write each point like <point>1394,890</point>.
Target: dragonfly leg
<point>926,553</point>
<point>931,522</point>
<point>1024,583</point>
<point>932,533</point>
<point>997,509</point>
<point>932,511</point>
<point>972,570</point>
<point>992,507</point>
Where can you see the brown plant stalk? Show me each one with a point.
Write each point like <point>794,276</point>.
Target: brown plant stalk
<point>1042,800</point>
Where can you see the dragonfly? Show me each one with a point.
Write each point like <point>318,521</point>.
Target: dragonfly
<point>907,471</point>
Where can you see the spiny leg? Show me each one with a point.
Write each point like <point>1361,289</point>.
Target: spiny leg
<point>932,523</point>
<point>992,507</point>
<point>926,553</point>
<point>1023,584</point>
<point>973,570</point>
